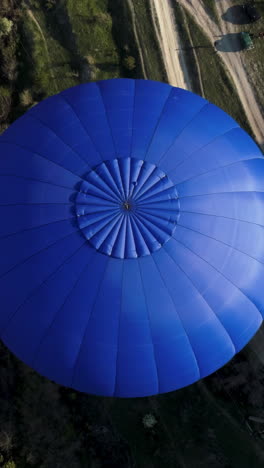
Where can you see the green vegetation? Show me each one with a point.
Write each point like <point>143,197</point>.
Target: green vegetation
<point>211,10</point>
<point>149,44</point>
<point>129,62</point>
<point>6,26</point>
<point>92,30</point>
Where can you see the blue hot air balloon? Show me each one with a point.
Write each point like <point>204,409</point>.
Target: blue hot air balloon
<point>131,238</point>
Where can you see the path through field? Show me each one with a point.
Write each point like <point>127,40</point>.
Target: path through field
<point>163,20</point>
<point>35,21</point>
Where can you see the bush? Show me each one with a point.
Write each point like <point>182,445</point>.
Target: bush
<point>149,421</point>
<point>6,26</point>
<point>10,464</point>
<point>129,62</point>
<point>26,98</point>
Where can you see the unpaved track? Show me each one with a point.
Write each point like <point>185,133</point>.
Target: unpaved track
<point>35,21</point>
<point>163,19</point>
<point>134,26</point>
<point>232,61</point>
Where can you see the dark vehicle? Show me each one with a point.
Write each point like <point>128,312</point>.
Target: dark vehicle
<point>251,12</point>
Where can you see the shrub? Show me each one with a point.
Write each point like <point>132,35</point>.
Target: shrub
<point>26,98</point>
<point>149,421</point>
<point>10,464</point>
<point>129,62</point>
<point>6,26</point>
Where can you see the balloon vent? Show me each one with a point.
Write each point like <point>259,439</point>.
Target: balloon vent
<point>127,208</point>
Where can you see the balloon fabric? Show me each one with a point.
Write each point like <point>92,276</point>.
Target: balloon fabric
<point>131,238</point>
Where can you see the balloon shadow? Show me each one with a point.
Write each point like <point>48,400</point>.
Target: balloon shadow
<point>236,15</point>
<point>230,43</point>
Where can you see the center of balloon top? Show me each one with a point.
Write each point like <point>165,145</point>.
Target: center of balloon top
<point>127,208</point>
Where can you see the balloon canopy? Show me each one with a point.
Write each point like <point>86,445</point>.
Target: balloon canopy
<point>131,238</point>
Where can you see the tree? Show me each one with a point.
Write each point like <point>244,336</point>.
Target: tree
<point>6,26</point>
<point>129,62</point>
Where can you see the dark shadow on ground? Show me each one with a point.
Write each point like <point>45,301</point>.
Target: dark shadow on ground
<point>236,15</point>
<point>230,43</point>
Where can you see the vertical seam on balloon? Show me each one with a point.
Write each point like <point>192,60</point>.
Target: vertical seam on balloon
<point>179,317</point>
<point>133,122</point>
<point>182,130</point>
<point>148,237</point>
<point>107,118</point>
<point>202,147</point>
<point>2,331</point>
<point>101,185</point>
<point>158,122</point>
<point>40,251</point>
<point>150,327</point>
<point>87,325</point>
<point>214,169</point>
<point>227,279</point>
<point>135,228</point>
<point>36,227</point>
<point>33,117</point>
<point>145,195</point>
<point>121,179</point>
<point>118,216</point>
<point>221,242</point>
<point>108,173</point>
<point>35,153</point>
<point>85,129</point>
<point>213,313</point>
<point>118,329</point>
<point>46,332</point>
<point>220,216</point>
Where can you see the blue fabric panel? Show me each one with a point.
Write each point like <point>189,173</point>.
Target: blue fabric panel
<point>228,231</point>
<point>180,109</point>
<point>67,328</point>
<point>18,191</point>
<point>231,306</point>
<point>56,114</point>
<point>25,217</point>
<point>150,99</point>
<point>135,359</point>
<point>17,248</point>
<point>229,205</point>
<point>21,163</point>
<point>244,271</point>
<point>243,176</point>
<point>226,149</point>
<point>193,137</point>
<point>100,340</point>
<point>31,135</point>
<point>86,101</point>
<point>26,327</point>
<point>187,299</point>
<point>34,271</point>
<point>118,98</point>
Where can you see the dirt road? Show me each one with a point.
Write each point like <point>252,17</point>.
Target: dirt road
<point>232,61</point>
<point>34,19</point>
<point>163,20</point>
